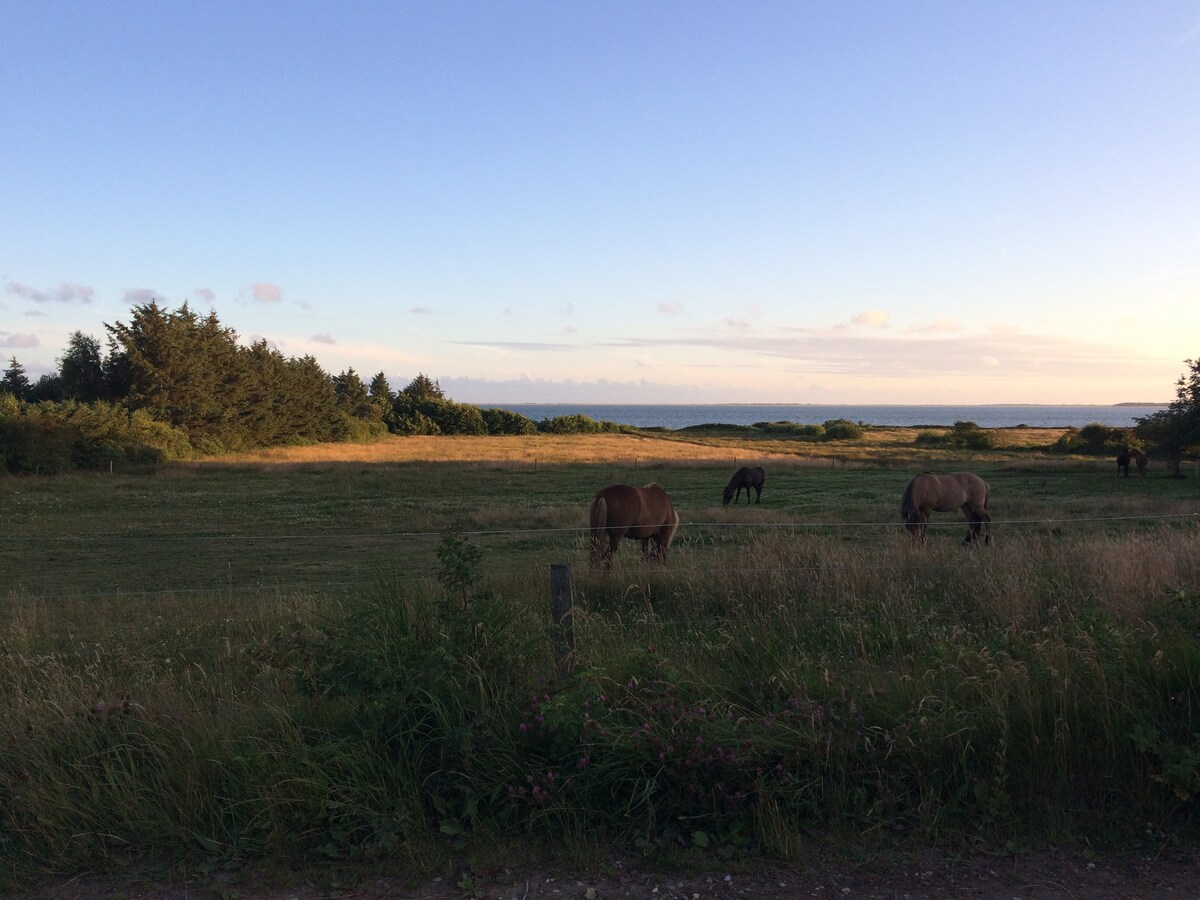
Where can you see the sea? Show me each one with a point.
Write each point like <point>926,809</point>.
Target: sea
<point>675,416</point>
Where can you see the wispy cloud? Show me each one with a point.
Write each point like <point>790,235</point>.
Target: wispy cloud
<point>534,346</point>
<point>266,292</point>
<point>141,295</point>
<point>937,326</point>
<point>736,324</point>
<point>527,389</point>
<point>880,354</point>
<point>1182,273</point>
<point>18,340</point>
<point>421,311</point>
<point>206,295</point>
<point>670,309</point>
<point>66,292</point>
<point>323,339</point>
<point>872,318</point>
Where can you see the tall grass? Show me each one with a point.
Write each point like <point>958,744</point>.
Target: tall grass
<point>765,686</point>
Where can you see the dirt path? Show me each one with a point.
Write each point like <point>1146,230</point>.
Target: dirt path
<point>1049,874</point>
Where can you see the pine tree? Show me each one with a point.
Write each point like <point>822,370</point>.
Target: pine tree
<point>424,388</point>
<point>1174,432</point>
<point>381,393</point>
<point>352,395</point>
<point>183,370</point>
<point>81,369</point>
<point>15,381</point>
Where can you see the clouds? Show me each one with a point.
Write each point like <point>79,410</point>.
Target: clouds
<point>670,309</point>
<point>323,339</point>
<point>944,326</point>
<point>872,318</point>
<point>66,292</point>
<point>20,341</point>
<point>266,292</point>
<point>140,296</point>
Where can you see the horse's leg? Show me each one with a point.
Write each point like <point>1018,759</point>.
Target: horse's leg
<point>986,519</point>
<point>757,494</point>
<point>972,523</point>
<point>614,541</point>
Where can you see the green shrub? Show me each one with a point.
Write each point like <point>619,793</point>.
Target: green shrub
<point>791,429</point>
<point>842,430</point>
<point>576,424</point>
<point>505,421</point>
<point>1096,439</point>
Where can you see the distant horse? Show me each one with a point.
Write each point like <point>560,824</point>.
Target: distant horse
<point>928,493</point>
<point>622,511</point>
<point>1134,455</point>
<point>746,477</point>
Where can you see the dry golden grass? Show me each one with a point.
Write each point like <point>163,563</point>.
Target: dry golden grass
<point>508,448</point>
<point>599,448</point>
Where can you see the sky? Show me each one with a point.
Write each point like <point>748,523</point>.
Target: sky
<point>620,202</point>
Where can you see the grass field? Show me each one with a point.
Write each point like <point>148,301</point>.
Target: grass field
<point>345,651</point>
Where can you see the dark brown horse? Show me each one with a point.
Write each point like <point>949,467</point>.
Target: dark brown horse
<point>928,493</point>
<point>1131,455</point>
<point>746,477</point>
<point>622,511</point>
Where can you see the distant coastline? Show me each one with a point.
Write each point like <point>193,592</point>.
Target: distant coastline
<point>995,415</point>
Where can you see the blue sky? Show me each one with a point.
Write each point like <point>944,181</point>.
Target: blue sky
<point>636,202</point>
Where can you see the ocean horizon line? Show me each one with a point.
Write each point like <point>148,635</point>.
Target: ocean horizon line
<point>493,404</point>
<point>986,415</point>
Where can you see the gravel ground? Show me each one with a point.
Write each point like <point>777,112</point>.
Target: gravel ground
<point>1050,874</point>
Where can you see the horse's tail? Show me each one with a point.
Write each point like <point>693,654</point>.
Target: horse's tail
<point>908,509</point>
<point>671,529</point>
<point>598,515</point>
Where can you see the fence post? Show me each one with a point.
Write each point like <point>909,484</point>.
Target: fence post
<point>560,614</point>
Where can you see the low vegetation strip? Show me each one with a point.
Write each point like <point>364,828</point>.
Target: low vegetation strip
<point>357,698</point>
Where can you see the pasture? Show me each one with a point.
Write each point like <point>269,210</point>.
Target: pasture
<point>346,652</point>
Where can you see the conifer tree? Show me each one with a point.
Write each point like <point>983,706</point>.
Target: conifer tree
<point>81,369</point>
<point>1174,432</point>
<point>15,381</point>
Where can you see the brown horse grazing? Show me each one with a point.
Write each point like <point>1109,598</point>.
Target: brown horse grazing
<point>928,493</point>
<point>622,511</point>
<point>746,477</point>
<point>1134,455</point>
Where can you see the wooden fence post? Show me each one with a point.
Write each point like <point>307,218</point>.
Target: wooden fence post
<point>560,614</point>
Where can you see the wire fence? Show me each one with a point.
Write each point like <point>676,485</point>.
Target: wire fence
<point>317,584</point>
<point>568,529</point>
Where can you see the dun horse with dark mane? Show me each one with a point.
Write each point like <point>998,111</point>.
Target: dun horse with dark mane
<point>623,511</point>
<point>928,493</point>
<point>746,477</point>
<point>1131,455</point>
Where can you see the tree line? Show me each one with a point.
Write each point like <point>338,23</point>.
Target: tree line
<point>175,383</point>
